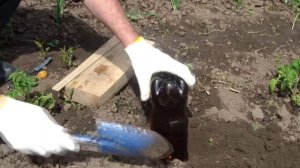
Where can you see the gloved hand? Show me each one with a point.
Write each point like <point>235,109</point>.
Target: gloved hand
<point>31,130</point>
<point>147,60</point>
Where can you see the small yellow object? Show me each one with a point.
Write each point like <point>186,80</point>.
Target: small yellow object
<point>138,39</point>
<point>42,74</point>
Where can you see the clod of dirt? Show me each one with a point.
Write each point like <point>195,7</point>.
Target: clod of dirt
<point>257,114</point>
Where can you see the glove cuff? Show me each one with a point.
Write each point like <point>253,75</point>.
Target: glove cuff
<point>140,38</point>
<point>139,46</point>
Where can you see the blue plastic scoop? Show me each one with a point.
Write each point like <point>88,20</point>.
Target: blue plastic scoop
<point>125,140</point>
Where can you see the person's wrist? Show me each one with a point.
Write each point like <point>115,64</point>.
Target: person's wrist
<point>3,101</point>
<point>127,38</point>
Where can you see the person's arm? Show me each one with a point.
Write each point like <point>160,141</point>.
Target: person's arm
<point>112,15</point>
<point>146,59</point>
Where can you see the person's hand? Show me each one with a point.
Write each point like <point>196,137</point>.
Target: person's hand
<point>31,130</point>
<point>147,60</point>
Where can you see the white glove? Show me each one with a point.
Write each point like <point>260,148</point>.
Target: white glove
<point>147,60</point>
<point>31,130</point>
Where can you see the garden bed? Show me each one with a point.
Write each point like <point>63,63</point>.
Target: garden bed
<point>234,50</point>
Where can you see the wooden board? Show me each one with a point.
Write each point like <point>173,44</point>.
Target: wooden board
<point>110,44</point>
<point>102,78</point>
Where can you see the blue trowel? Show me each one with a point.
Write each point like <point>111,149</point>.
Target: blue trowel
<point>126,141</point>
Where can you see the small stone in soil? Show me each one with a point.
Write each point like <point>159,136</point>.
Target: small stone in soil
<point>181,33</point>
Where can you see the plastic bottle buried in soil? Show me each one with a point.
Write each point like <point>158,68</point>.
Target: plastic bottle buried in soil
<point>168,115</point>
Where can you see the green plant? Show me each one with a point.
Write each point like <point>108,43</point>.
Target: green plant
<point>211,141</point>
<point>134,16</point>
<point>293,3</point>
<point>287,80</point>
<point>296,99</point>
<point>190,66</point>
<point>238,3</point>
<point>53,43</point>
<point>60,4</point>
<point>22,84</point>
<point>42,47</point>
<point>67,57</point>
<point>45,100</point>
<point>257,126</point>
<point>73,104</point>
<point>45,47</point>
<point>295,19</point>
<point>176,4</point>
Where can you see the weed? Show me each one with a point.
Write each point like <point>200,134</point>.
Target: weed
<point>134,16</point>
<point>60,4</point>
<point>73,104</point>
<point>175,4</point>
<point>188,48</point>
<point>296,99</point>
<point>287,80</point>
<point>42,47</point>
<point>45,47</point>
<point>67,57</point>
<point>190,66</point>
<point>53,43</point>
<point>211,141</point>
<point>294,4</point>
<point>238,3</point>
<point>45,100</point>
<point>295,19</point>
<point>22,84</point>
<point>257,126</point>
<point>250,11</point>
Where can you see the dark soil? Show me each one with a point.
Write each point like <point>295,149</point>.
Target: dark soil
<point>234,52</point>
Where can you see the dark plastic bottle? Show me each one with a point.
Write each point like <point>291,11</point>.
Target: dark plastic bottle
<point>168,115</point>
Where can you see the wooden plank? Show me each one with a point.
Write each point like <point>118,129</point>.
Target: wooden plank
<point>101,80</point>
<point>111,43</point>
